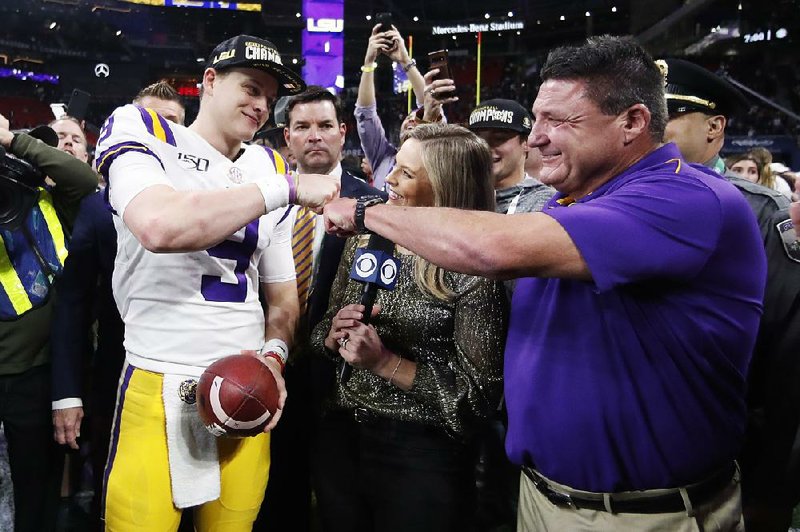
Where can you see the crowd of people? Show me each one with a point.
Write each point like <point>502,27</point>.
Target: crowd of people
<point>594,324</point>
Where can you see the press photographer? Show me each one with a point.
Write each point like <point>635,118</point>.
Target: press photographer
<point>35,222</point>
<point>19,190</point>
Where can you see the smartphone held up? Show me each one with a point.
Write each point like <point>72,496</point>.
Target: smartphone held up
<point>439,60</point>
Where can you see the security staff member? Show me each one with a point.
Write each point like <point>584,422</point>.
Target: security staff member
<point>31,258</point>
<point>699,105</point>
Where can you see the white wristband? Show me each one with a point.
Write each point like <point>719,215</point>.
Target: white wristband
<point>276,345</point>
<point>275,191</point>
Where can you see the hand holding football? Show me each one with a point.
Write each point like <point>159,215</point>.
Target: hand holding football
<point>236,396</point>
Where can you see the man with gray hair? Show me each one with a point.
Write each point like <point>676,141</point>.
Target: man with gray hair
<point>644,278</point>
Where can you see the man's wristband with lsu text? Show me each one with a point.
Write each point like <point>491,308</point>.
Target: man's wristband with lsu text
<point>370,67</point>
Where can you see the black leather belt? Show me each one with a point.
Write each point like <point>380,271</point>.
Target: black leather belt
<point>640,503</point>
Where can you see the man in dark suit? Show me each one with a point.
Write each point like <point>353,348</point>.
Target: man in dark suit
<point>315,134</point>
<point>86,296</point>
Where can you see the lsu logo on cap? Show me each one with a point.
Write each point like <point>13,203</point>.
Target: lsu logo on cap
<point>223,56</point>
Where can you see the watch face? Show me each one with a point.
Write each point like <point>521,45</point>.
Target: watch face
<point>361,206</point>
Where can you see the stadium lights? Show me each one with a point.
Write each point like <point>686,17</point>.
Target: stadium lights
<point>53,25</point>
<point>614,9</point>
<point>562,18</point>
<point>486,15</point>
<point>200,59</point>
<point>416,18</point>
<point>119,32</point>
<point>298,15</point>
<point>368,17</point>
<point>510,13</point>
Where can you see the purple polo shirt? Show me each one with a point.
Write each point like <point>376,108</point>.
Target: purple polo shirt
<point>637,379</point>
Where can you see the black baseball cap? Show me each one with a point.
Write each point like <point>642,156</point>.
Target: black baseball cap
<point>279,115</point>
<point>247,51</point>
<point>46,134</point>
<point>691,88</point>
<point>501,114</point>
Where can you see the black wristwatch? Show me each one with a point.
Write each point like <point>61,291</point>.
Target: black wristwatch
<point>361,208</point>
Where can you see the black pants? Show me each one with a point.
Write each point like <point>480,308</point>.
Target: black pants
<point>36,461</point>
<point>380,475</point>
<point>287,501</point>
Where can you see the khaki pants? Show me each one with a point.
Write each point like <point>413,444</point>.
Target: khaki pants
<point>536,513</point>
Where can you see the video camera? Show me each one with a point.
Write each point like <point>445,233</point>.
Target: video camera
<point>19,190</point>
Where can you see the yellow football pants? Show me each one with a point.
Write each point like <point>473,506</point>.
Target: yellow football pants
<point>137,493</point>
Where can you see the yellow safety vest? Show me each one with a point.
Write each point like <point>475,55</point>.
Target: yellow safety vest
<point>30,259</point>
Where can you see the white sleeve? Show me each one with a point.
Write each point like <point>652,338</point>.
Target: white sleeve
<point>132,144</point>
<point>277,261</point>
<point>132,174</point>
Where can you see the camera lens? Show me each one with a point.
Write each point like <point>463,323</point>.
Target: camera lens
<point>18,194</point>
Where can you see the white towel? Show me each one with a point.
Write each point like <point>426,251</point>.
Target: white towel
<point>193,457</point>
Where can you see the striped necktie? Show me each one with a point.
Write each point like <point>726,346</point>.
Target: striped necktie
<point>302,248</point>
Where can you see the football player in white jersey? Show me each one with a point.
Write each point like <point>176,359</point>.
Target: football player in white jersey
<point>199,232</point>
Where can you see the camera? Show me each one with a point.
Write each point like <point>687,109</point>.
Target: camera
<point>19,190</point>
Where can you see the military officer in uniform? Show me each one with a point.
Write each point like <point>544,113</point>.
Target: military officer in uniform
<point>700,104</point>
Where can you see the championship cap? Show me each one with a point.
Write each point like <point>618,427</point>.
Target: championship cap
<point>501,114</point>
<point>252,52</point>
<point>690,87</point>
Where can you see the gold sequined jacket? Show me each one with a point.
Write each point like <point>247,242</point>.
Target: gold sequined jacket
<point>457,345</point>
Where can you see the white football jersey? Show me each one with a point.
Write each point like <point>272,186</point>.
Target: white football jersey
<point>183,311</point>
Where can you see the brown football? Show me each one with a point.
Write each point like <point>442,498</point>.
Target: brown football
<point>236,396</point>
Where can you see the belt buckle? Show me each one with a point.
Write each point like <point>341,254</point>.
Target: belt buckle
<point>558,498</point>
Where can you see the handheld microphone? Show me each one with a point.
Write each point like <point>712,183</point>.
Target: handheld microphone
<point>376,267</point>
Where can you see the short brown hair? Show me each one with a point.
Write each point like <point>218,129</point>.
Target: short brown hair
<point>161,90</point>
<point>314,93</point>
